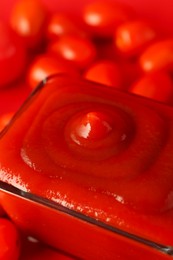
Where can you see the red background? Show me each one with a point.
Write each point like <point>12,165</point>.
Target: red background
<point>159,12</point>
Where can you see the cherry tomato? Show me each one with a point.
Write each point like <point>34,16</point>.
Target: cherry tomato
<point>46,65</point>
<point>5,119</point>
<point>12,55</point>
<point>103,17</point>
<point>28,18</point>
<point>156,85</point>
<point>158,56</point>
<point>77,49</point>
<point>9,240</point>
<point>132,37</point>
<point>105,72</point>
<point>60,24</point>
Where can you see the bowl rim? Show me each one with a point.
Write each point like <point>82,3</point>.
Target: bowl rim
<point>14,191</point>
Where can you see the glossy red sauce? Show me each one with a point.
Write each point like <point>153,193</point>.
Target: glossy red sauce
<point>97,151</point>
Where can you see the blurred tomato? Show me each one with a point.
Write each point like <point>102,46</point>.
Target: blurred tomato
<point>132,37</point>
<point>46,65</point>
<point>74,48</point>
<point>105,72</point>
<point>156,85</point>
<point>12,55</point>
<point>158,56</point>
<point>60,24</point>
<point>103,17</point>
<point>28,18</point>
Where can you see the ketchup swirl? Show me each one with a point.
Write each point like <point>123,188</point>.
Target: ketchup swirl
<point>107,141</point>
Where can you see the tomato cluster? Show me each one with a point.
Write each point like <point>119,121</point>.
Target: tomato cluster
<point>108,43</point>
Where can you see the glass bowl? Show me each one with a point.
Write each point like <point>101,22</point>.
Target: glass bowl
<point>77,211</point>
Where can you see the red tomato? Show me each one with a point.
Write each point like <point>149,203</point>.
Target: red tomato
<point>105,72</point>
<point>157,56</point>
<point>12,55</point>
<point>103,17</point>
<point>28,18</point>
<point>60,24</point>
<point>9,240</point>
<point>156,85</point>
<point>132,37</point>
<point>77,49</point>
<point>46,65</point>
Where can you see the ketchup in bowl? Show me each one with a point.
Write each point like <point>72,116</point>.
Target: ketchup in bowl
<point>96,152</point>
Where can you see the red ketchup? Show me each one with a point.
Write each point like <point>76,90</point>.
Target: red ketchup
<point>103,158</point>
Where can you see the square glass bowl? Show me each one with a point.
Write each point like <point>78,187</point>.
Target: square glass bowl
<point>81,236</point>
<point>100,213</point>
